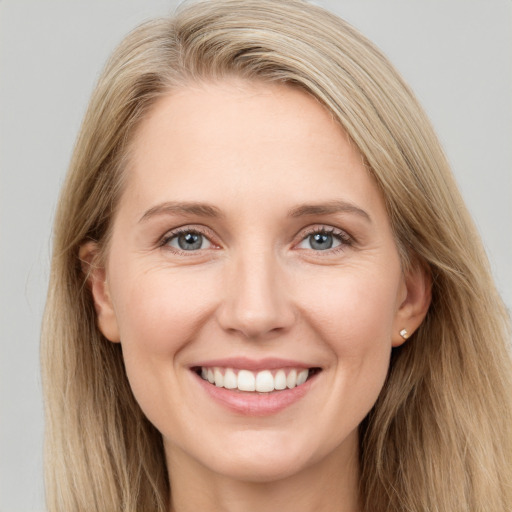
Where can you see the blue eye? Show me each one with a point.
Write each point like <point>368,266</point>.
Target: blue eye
<point>188,241</point>
<point>321,241</point>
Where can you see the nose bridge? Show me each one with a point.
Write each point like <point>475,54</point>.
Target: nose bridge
<point>255,296</point>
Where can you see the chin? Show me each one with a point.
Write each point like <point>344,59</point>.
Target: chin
<point>264,460</point>
<point>260,471</point>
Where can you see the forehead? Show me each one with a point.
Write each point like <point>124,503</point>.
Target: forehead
<point>212,141</point>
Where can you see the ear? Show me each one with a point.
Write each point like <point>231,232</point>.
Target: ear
<point>414,300</point>
<point>98,284</point>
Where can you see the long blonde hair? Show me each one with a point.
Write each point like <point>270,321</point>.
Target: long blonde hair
<point>439,437</point>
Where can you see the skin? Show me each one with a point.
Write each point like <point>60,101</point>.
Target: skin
<point>256,288</point>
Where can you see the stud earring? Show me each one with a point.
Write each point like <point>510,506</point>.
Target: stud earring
<point>404,334</point>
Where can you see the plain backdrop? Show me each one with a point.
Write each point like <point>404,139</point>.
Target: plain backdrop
<point>456,54</point>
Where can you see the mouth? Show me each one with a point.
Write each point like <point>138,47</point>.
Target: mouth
<point>264,381</point>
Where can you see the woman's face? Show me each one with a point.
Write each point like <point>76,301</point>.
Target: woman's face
<point>251,246</point>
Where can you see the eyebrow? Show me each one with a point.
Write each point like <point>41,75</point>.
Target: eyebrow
<point>328,208</point>
<point>206,210</point>
<point>182,208</point>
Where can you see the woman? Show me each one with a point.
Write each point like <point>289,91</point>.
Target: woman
<point>266,292</point>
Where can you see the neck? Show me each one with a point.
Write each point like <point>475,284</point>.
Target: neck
<point>329,485</point>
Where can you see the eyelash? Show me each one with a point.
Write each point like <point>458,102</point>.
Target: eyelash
<point>170,235</point>
<point>342,236</point>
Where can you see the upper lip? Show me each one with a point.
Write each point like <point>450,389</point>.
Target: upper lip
<point>244,363</point>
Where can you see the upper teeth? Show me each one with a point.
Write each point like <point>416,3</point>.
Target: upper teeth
<point>263,381</point>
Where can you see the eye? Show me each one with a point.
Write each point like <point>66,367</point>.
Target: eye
<point>324,239</point>
<point>188,240</point>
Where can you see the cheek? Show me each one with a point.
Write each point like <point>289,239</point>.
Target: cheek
<point>353,316</point>
<point>354,307</point>
<point>159,312</point>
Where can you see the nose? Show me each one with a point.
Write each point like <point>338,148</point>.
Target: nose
<point>256,302</point>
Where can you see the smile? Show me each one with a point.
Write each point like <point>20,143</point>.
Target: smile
<point>255,387</point>
<point>263,381</point>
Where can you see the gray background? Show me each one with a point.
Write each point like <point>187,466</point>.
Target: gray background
<point>456,54</point>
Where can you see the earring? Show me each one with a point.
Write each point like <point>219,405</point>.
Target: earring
<point>404,334</point>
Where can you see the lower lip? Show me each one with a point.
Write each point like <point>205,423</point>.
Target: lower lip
<point>254,403</point>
